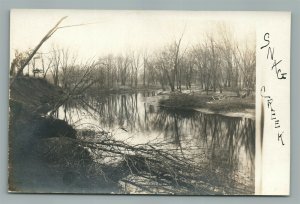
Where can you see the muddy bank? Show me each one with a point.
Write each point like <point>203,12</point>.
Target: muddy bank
<point>246,113</point>
<point>30,100</point>
<point>36,95</point>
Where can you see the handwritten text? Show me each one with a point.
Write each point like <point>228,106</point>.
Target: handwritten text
<point>271,53</point>
<point>274,118</point>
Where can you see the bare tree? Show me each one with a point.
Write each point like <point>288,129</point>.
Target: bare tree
<point>67,66</point>
<point>145,64</point>
<point>246,61</point>
<point>187,68</point>
<point>136,65</point>
<point>45,67</point>
<point>227,47</point>
<point>201,57</point>
<point>18,61</point>
<point>45,38</point>
<point>56,59</point>
<point>123,63</point>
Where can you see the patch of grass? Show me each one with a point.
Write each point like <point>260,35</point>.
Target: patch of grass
<point>181,100</point>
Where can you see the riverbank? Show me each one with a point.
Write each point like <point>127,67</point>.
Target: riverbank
<point>227,103</point>
<point>45,154</point>
<point>224,104</point>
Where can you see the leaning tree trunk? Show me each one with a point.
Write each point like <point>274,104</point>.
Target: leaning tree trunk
<point>45,38</point>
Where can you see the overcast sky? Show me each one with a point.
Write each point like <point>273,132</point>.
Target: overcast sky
<point>121,31</point>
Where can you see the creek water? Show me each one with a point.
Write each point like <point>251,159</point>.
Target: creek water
<point>224,144</point>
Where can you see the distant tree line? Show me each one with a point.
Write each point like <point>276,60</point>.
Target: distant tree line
<point>218,62</point>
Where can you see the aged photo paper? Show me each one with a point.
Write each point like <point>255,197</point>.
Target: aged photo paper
<point>149,102</point>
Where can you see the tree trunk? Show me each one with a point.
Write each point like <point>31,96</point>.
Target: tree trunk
<point>45,38</point>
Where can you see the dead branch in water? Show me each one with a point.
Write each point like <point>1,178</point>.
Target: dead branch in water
<point>155,164</point>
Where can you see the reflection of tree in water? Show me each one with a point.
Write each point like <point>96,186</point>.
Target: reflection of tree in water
<point>223,138</point>
<point>221,144</point>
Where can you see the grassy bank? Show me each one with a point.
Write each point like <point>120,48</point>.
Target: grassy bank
<point>212,102</point>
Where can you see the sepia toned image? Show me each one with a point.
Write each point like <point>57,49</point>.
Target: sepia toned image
<point>133,102</point>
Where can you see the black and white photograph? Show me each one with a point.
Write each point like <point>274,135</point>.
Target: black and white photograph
<point>137,102</point>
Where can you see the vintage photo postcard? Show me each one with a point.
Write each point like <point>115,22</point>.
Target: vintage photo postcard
<point>149,102</point>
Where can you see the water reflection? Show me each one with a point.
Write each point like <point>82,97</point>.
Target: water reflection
<point>225,145</point>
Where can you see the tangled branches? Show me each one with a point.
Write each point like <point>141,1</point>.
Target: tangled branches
<point>156,168</point>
